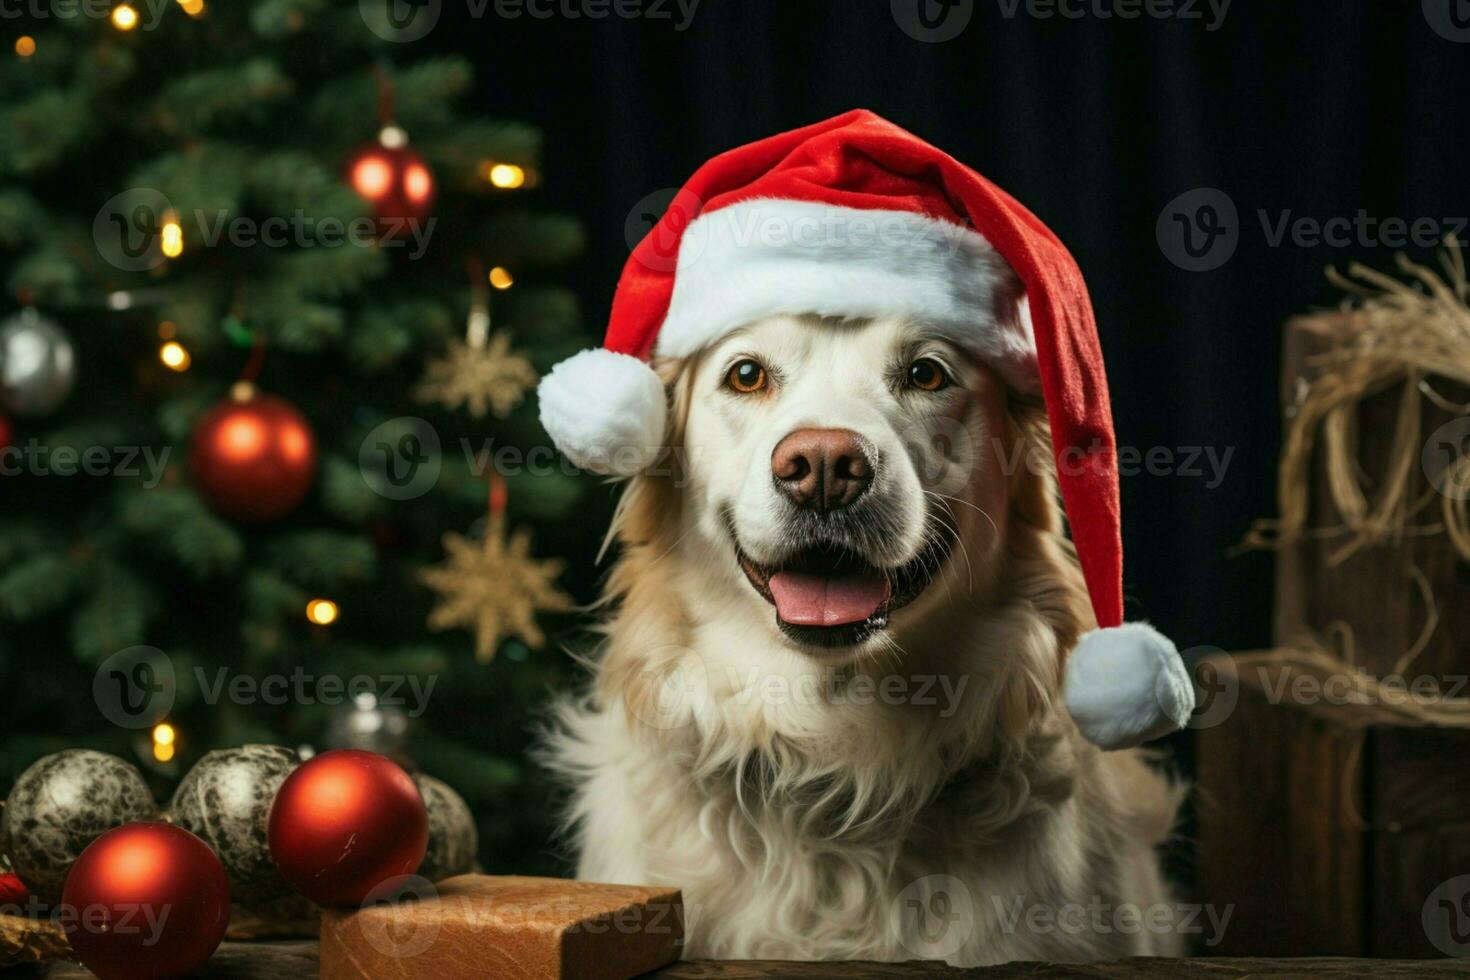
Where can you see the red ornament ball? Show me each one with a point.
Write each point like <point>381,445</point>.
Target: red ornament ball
<point>346,822</point>
<point>396,181</point>
<point>12,891</point>
<point>253,457</point>
<point>147,900</point>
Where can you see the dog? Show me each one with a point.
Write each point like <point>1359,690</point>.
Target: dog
<point>827,704</point>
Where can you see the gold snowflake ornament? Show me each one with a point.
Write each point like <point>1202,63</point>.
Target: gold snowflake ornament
<point>484,378</point>
<point>494,588</point>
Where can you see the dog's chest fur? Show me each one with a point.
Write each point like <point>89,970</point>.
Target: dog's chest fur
<point>803,822</point>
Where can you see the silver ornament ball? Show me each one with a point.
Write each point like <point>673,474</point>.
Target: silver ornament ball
<point>37,364</point>
<point>225,800</point>
<point>369,725</point>
<point>454,840</point>
<point>61,804</point>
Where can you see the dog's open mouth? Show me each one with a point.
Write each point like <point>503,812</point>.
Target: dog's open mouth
<point>831,596</point>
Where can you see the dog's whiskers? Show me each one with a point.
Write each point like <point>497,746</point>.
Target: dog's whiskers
<point>954,532</point>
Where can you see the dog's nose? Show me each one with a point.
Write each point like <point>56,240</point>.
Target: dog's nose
<point>822,469</point>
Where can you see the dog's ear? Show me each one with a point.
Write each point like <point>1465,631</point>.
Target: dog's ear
<point>647,509</point>
<point>677,375</point>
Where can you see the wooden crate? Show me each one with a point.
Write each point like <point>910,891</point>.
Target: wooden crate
<point>1329,841</point>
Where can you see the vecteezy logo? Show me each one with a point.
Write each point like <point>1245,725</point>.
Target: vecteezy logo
<point>400,20</point>
<point>401,458</point>
<point>943,453</point>
<point>1450,19</point>
<point>1446,458</point>
<point>134,688</point>
<point>656,227</point>
<point>938,916</point>
<point>1199,230</point>
<point>128,229</point>
<point>681,686</point>
<point>1216,685</point>
<point>1446,917</point>
<point>932,21</point>
<point>388,921</point>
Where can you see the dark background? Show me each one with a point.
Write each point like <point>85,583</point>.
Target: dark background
<point>1316,110</point>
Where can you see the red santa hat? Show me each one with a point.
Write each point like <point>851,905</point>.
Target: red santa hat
<point>854,217</point>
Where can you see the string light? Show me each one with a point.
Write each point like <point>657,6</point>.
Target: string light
<point>175,356</point>
<point>501,278</point>
<point>124,17</point>
<point>171,236</point>
<point>165,738</point>
<point>506,176</point>
<point>192,7</point>
<point>323,612</point>
<point>25,45</point>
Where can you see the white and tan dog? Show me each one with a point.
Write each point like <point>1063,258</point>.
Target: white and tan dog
<point>828,702</point>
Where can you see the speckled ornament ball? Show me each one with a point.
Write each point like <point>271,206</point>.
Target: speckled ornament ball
<point>225,800</point>
<point>62,804</point>
<point>454,840</point>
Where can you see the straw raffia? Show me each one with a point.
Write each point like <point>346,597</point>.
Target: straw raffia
<point>1400,333</point>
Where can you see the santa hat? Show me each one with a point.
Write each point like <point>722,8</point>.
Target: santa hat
<point>854,217</point>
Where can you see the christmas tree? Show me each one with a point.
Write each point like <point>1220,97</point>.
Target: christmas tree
<point>274,307</point>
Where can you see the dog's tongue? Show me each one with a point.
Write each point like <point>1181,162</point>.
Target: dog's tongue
<point>820,600</point>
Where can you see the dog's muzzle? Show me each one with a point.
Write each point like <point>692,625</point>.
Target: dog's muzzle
<point>826,591</point>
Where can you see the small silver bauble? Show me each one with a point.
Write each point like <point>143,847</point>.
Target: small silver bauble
<point>37,364</point>
<point>370,726</point>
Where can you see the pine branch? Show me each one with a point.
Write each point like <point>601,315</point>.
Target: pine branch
<point>330,272</point>
<point>195,305</point>
<point>191,105</point>
<point>477,776</point>
<point>283,182</point>
<point>268,596</point>
<point>275,19</point>
<point>323,559</point>
<point>423,96</point>
<point>458,156</point>
<point>39,585</point>
<point>37,133</point>
<point>382,336</point>
<point>174,521</point>
<point>424,93</point>
<point>345,493</point>
<point>176,416</point>
<point>49,274</point>
<point>18,539</point>
<point>117,615</point>
<point>103,69</point>
<point>22,217</point>
<point>204,183</point>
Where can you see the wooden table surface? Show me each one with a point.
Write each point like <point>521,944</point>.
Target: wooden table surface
<point>297,960</point>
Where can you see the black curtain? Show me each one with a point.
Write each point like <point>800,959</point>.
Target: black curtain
<point>1297,110</point>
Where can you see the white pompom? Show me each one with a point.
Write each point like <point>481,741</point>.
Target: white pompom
<point>605,411</point>
<point>1126,685</point>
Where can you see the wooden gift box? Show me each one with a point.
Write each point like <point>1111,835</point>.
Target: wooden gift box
<point>1329,839</point>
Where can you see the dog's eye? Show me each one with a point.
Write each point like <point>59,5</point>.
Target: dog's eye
<point>746,377</point>
<point>926,375</point>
